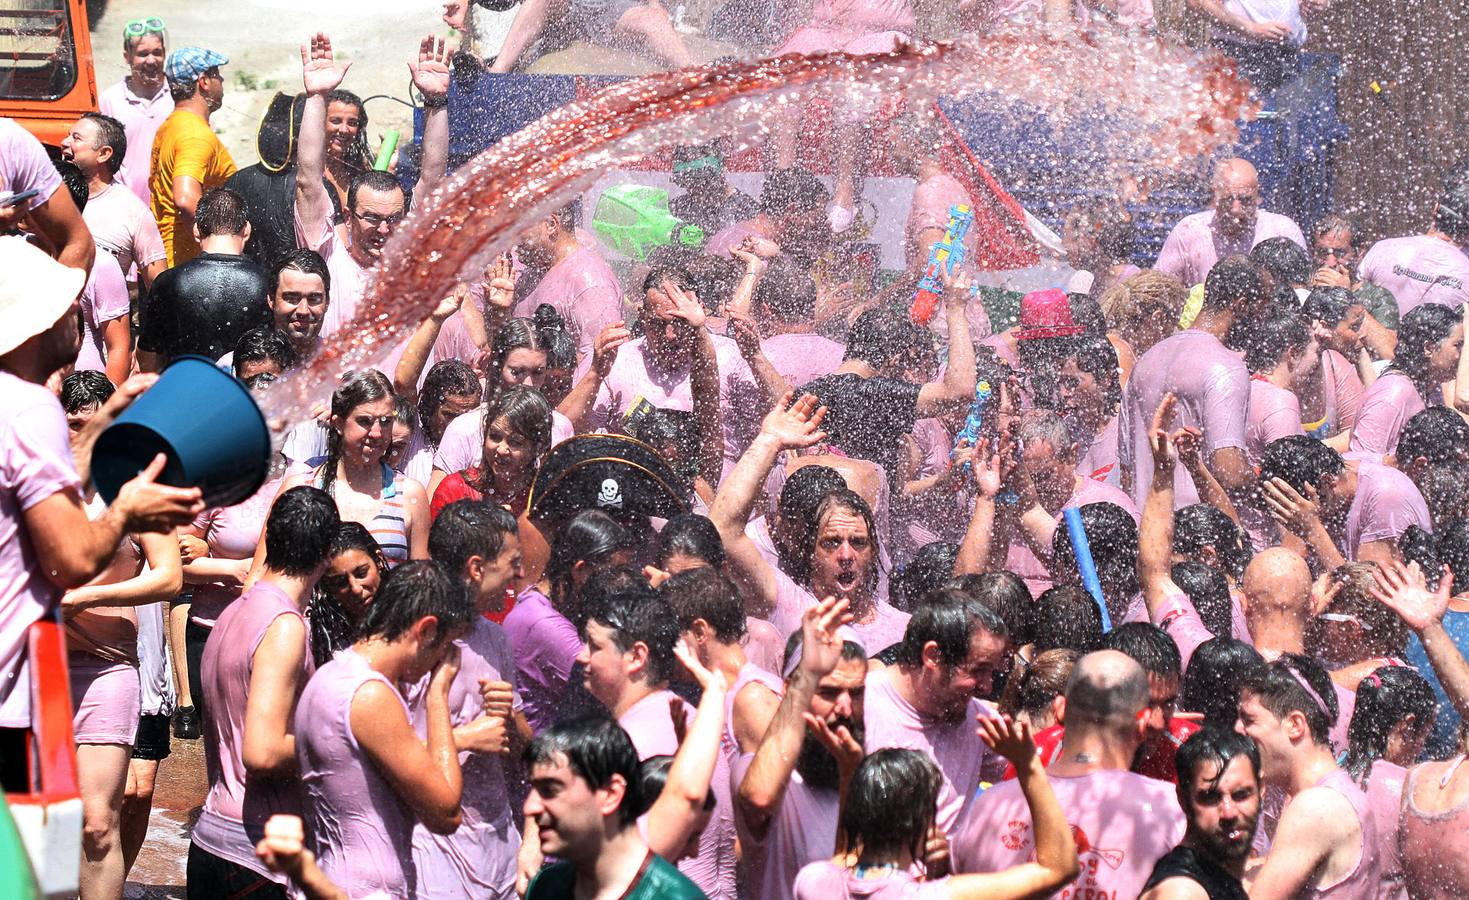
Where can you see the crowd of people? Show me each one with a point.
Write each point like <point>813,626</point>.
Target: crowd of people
<point>1147,592</point>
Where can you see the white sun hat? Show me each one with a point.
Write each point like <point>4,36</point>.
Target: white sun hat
<point>35,291</point>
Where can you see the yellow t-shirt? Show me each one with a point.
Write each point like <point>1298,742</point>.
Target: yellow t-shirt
<point>184,145</point>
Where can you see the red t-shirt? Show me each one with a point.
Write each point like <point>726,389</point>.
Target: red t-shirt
<point>458,487</point>
<point>1157,764</point>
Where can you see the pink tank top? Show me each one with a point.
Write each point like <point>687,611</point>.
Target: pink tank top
<point>360,830</point>
<point>750,674</point>
<point>232,532</point>
<point>1435,846</point>
<point>235,810</point>
<point>1362,883</point>
<point>1385,798</point>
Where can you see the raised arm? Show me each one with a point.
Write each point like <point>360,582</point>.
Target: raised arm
<point>1187,442</point>
<point>1404,590</point>
<point>787,426</point>
<point>985,534</point>
<point>431,77</point>
<point>704,384</point>
<point>426,777</point>
<point>1301,516</point>
<point>675,814</point>
<point>320,75</point>
<point>577,406</point>
<point>755,266</point>
<point>763,788</point>
<point>746,335</point>
<point>421,344</point>
<point>1155,533</point>
<point>957,385</point>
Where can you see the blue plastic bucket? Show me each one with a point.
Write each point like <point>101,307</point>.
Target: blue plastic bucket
<point>207,424</point>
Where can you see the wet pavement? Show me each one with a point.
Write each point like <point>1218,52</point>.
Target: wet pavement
<point>182,784</point>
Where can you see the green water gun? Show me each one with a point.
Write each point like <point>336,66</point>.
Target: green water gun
<point>385,152</point>
<point>633,218</point>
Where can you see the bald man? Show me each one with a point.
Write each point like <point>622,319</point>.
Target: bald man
<point>1122,822</point>
<point>1234,226</point>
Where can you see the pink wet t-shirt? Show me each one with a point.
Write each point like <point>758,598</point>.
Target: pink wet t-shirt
<point>103,300</point>
<point>1274,413</point>
<point>586,293</point>
<point>1416,270</point>
<point>826,880</point>
<point>1195,245</point>
<point>1385,504</point>
<point>1212,387</point>
<point>25,166</point>
<point>1364,881</point>
<point>1023,562</point>
<point>1122,823</point>
<point>463,444</point>
<point>232,532</point>
<point>140,117</point>
<point>801,358</point>
<point>123,225</point>
<point>35,464</point>
<point>893,722</point>
<point>1386,407</point>
<point>802,831</point>
<point>1385,800</point>
<point>1097,460</point>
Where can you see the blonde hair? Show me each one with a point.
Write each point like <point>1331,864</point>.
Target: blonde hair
<point>1129,302</point>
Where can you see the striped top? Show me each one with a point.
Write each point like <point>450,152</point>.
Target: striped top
<point>390,526</point>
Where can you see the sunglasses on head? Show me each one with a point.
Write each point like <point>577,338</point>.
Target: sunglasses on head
<point>140,27</point>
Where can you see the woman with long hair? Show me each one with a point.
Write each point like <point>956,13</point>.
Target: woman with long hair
<point>1430,340</point>
<point>517,434</point>
<point>1331,394</point>
<point>347,155</point>
<point>1089,388</point>
<point>354,570</point>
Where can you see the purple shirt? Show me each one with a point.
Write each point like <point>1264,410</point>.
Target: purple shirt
<point>1212,386</point>
<point>359,828</point>
<point>1387,406</point>
<point>103,300</point>
<point>232,532</point>
<point>1418,270</point>
<point>800,358</point>
<point>1274,413</point>
<point>826,880</point>
<point>1385,800</point>
<point>479,858</point>
<point>586,293</point>
<point>545,644</point>
<point>802,831</point>
<point>893,722</point>
<point>1385,504</point>
<point>1364,882</point>
<point>1122,823</point>
<point>1195,245</point>
<point>25,166</point>
<point>35,463</point>
<point>237,805</point>
<point>140,118</point>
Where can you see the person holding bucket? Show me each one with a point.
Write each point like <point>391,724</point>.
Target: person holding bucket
<point>47,542</point>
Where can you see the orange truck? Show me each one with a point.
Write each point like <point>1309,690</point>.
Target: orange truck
<point>46,74</point>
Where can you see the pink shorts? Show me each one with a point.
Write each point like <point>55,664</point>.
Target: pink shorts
<point>106,698</point>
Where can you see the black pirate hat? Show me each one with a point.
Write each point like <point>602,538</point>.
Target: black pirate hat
<point>610,472</point>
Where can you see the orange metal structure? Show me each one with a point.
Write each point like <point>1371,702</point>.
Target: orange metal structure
<point>46,74</point>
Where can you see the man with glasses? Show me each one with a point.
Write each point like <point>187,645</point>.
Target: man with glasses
<point>376,202</point>
<point>1233,227</point>
<point>141,101</point>
<point>188,159</point>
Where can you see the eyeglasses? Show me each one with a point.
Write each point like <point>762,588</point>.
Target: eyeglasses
<point>377,220</point>
<point>140,27</point>
<point>1247,201</point>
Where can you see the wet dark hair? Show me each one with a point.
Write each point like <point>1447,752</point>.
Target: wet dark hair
<point>357,388</point>
<point>372,180</point>
<point>1281,330</point>
<point>1208,590</point>
<point>653,778</point>
<point>793,189</point>
<point>518,333</point>
<point>1329,304</point>
<point>1287,262</point>
<point>1436,434</point>
<point>1212,744</point>
<point>560,346</point>
<point>112,134</point>
<point>1233,278</point>
<point>1112,535</point>
<point>1445,489</point>
<point>80,390</point>
<point>1423,325</point>
<point>1095,355</point>
<point>1147,644</point>
<point>528,414</point>
<point>308,262</point>
<point>1211,683</point>
<point>1452,215</point>
<point>331,628</point>
<point>708,594</point>
<point>800,497</point>
<point>590,536</point>
<point>298,531</point>
<point>1007,595</point>
<point>448,378</point>
<point>638,615</point>
<point>1038,683</point>
<point>1202,525</point>
<point>467,528</point>
<point>676,274</point>
<point>879,337</point>
<point>1299,461</point>
<point>358,158</point>
<point>412,591</point>
<point>949,619</point>
<point>1385,697</point>
<point>890,805</point>
<point>1086,312</point>
<point>1277,686</point>
<point>221,211</point>
<point>1066,617</point>
<point>595,749</point>
<point>931,566</point>
<point>260,344</point>
<point>693,535</point>
<point>1384,634</point>
<point>850,501</point>
<point>75,182</point>
<point>786,292</point>
<point>1447,546</point>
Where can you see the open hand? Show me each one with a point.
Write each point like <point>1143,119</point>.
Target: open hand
<point>1404,590</point>
<point>450,305</point>
<point>320,73</point>
<point>708,679</point>
<point>839,743</point>
<point>795,425</point>
<point>821,646</point>
<point>1296,513</point>
<point>686,306</point>
<point>1009,738</point>
<point>153,507</point>
<point>499,284</point>
<point>604,348</point>
<point>431,71</point>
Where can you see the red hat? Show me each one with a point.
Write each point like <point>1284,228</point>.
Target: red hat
<point>1046,314</point>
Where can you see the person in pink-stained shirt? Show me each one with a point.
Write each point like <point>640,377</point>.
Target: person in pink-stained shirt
<point>140,101</point>
<point>784,307</point>
<point>120,223</point>
<point>927,701</point>
<point>1331,396</point>
<point>574,279</point>
<point>1122,822</point>
<point>1089,392</point>
<point>1430,341</point>
<point>106,335</point>
<point>1282,351</point>
<point>1325,843</point>
<point>1233,227</point>
<point>792,216</point>
<point>1099,238</point>
<point>1211,384</point>
<point>787,790</point>
<point>1426,268</point>
<point>628,660</point>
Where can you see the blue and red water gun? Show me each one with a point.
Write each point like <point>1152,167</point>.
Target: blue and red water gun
<point>942,258</point>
